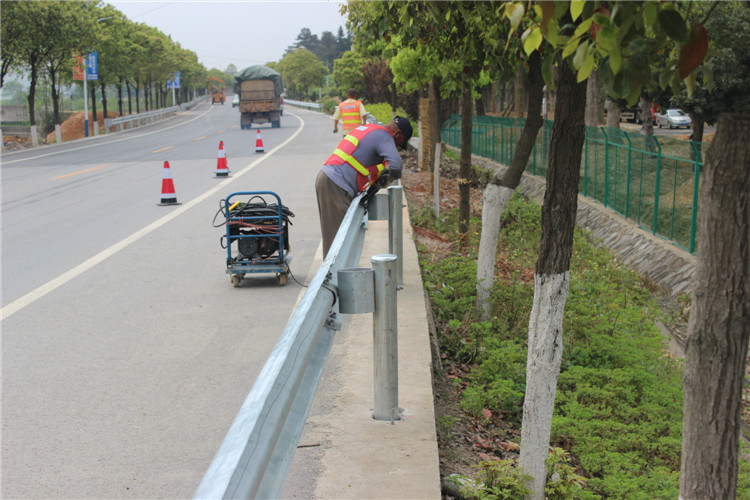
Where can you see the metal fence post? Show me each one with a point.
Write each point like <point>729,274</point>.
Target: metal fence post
<point>436,179</point>
<point>696,184</point>
<point>627,189</point>
<point>396,229</point>
<point>606,168</point>
<point>657,187</point>
<point>385,338</point>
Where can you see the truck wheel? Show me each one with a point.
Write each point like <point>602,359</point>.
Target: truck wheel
<point>276,124</point>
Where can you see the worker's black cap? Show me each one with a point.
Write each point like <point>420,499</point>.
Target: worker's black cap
<point>405,127</point>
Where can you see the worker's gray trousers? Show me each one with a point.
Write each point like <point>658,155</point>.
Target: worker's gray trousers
<point>333,202</point>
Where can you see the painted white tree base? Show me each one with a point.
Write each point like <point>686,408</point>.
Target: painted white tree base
<point>542,369</point>
<point>494,201</point>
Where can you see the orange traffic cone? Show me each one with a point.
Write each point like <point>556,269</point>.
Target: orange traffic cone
<point>221,163</point>
<point>168,196</point>
<point>258,143</point>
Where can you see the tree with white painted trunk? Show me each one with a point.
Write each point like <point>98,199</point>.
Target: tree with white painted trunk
<point>500,188</point>
<point>584,36</point>
<point>551,276</point>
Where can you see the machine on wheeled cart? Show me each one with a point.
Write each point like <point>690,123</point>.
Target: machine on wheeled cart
<point>257,235</point>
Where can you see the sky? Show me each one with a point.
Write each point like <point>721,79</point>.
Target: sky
<point>240,32</point>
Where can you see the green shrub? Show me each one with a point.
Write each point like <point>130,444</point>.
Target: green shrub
<point>618,410</point>
<point>329,104</point>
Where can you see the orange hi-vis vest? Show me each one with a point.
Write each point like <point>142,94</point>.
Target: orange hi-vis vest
<point>366,175</point>
<point>350,115</point>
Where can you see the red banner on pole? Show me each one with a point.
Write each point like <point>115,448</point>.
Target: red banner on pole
<point>78,67</point>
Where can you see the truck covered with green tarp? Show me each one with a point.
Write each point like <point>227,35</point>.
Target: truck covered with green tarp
<point>260,89</point>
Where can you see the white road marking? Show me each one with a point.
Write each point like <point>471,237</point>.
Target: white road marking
<point>33,296</point>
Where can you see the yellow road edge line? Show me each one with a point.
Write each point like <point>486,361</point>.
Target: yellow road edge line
<point>162,149</point>
<point>79,172</point>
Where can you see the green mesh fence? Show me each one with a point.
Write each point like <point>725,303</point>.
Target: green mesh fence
<point>651,180</point>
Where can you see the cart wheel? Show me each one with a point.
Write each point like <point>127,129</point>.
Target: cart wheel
<point>282,278</point>
<point>236,278</point>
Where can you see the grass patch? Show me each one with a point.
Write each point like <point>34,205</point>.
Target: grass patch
<point>618,411</point>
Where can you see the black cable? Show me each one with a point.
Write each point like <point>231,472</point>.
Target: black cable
<point>329,289</point>
<point>334,294</point>
<point>295,279</point>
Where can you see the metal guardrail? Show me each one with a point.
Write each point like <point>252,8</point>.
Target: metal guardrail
<point>307,105</point>
<point>255,456</point>
<point>148,117</point>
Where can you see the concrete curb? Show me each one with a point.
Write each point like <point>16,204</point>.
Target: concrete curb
<point>357,457</point>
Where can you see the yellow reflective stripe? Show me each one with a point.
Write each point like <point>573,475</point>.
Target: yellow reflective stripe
<point>352,139</point>
<point>357,165</point>
<point>352,161</point>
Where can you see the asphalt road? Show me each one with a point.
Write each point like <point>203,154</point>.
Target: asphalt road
<point>126,352</point>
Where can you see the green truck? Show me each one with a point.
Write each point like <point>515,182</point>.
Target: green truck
<point>260,89</point>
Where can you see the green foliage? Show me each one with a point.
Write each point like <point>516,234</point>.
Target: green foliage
<point>347,71</point>
<point>383,112</point>
<point>445,425</point>
<point>502,479</point>
<point>562,480</point>
<point>620,39</point>
<point>329,104</point>
<point>302,73</point>
<point>499,480</point>
<point>618,410</point>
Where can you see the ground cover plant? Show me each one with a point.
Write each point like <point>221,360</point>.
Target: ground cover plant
<point>618,413</point>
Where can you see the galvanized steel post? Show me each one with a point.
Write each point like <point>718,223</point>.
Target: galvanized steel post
<point>385,338</point>
<point>396,230</point>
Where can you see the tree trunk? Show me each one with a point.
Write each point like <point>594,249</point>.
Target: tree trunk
<point>137,97</point>
<point>464,180</point>
<point>518,92</point>
<point>94,123</point>
<point>696,136</point>
<point>592,100</point>
<point>32,101</point>
<point>32,94</point>
<point>613,114</point>
<point>120,97</point>
<point>435,122</point>
<point>551,277</point>
<point>55,97</point>
<point>104,101</point>
<point>498,191</point>
<point>424,130</point>
<point>647,124</point>
<point>717,334</point>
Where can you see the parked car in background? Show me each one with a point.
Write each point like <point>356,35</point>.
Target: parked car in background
<point>674,118</point>
<point>235,100</point>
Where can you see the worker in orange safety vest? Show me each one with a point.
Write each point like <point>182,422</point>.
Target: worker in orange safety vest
<point>351,112</point>
<point>358,161</point>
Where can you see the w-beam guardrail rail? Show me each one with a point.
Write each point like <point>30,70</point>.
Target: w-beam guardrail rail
<point>307,105</point>
<point>128,121</point>
<point>255,456</point>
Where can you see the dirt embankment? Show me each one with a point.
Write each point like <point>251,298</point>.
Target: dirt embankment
<point>73,127</point>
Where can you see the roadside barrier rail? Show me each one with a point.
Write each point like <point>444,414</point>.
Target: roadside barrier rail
<point>307,105</point>
<point>129,121</point>
<point>255,456</point>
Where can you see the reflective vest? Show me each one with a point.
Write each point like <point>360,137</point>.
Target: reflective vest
<point>366,174</point>
<point>350,115</point>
